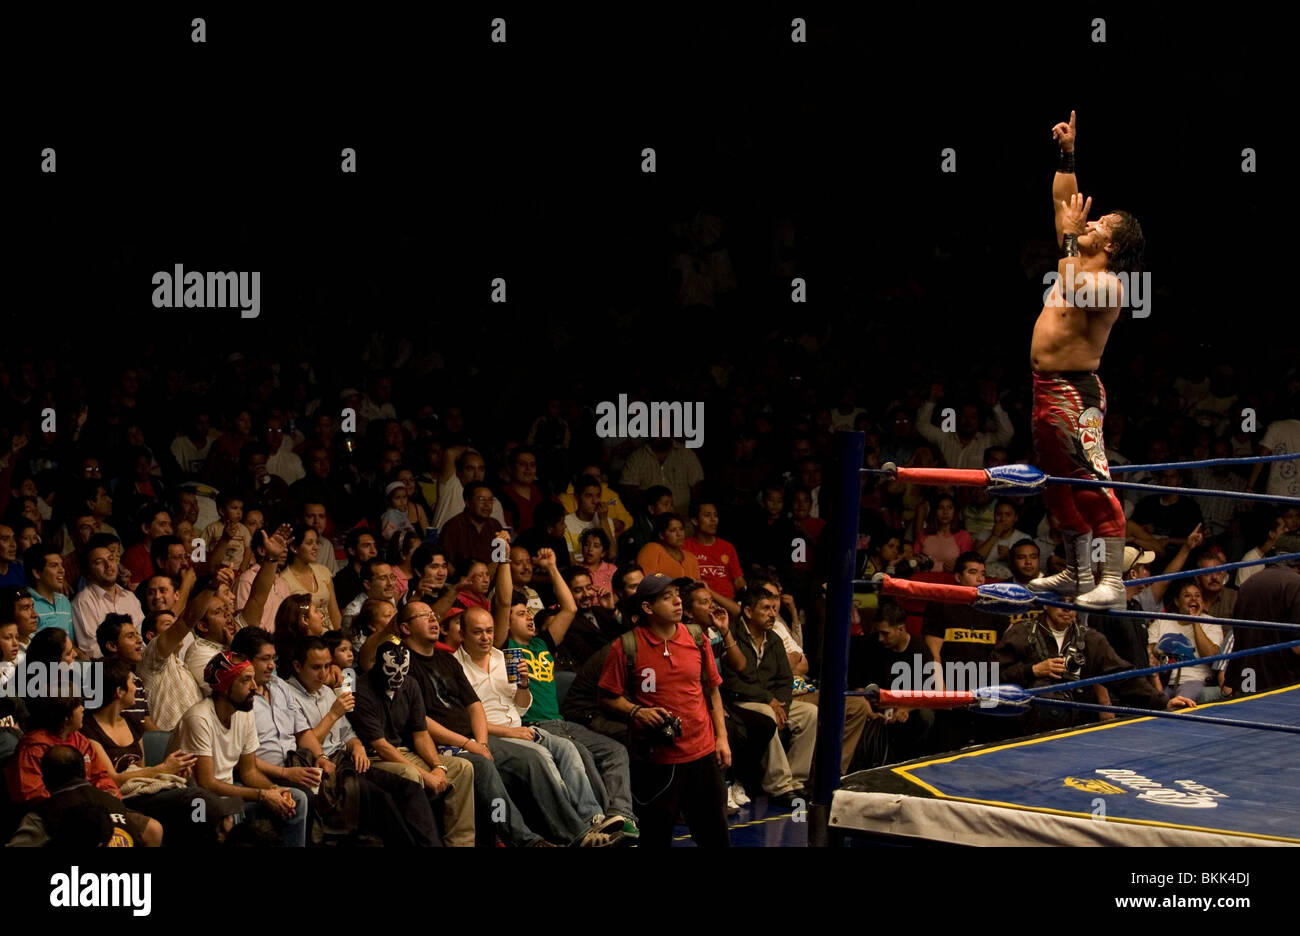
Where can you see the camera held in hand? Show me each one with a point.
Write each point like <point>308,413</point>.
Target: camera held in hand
<point>666,733</point>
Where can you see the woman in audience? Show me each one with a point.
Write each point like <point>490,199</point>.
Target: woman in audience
<point>940,537</point>
<point>51,645</point>
<point>666,554</point>
<point>298,617</point>
<point>162,790</point>
<point>305,574</point>
<point>58,721</point>
<point>1197,682</point>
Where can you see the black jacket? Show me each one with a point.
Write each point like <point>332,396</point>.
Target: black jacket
<point>761,681</point>
<point>1016,654</point>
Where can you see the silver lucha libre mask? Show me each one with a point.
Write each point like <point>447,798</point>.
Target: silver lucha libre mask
<point>396,662</point>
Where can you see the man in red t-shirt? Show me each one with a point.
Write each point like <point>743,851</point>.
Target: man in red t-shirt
<point>155,521</point>
<point>719,564</point>
<point>676,678</point>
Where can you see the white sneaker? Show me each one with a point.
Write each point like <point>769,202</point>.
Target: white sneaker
<point>737,792</point>
<point>732,806</point>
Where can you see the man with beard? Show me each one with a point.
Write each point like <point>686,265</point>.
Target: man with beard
<point>221,731</point>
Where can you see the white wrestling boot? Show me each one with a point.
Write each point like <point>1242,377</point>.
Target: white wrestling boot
<point>1109,592</point>
<point>1076,578</point>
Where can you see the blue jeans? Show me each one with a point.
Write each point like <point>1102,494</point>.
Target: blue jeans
<point>293,831</point>
<point>607,765</point>
<point>562,775</point>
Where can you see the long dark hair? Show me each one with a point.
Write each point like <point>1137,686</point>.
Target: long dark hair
<point>1129,245</point>
<point>289,630</point>
<point>932,521</point>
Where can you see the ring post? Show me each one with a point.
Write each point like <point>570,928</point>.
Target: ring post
<point>849,450</point>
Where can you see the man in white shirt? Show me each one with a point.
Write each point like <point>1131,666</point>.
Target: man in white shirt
<point>221,731</point>
<point>101,596</point>
<point>282,463</point>
<point>557,777</point>
<point>1281,438</point>
<point>856,710</point>
<point>460,466</point>
<point>965,447</point>
<point>191,447</point>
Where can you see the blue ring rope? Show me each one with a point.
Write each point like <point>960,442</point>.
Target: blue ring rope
<point>1209,462</point>
<point>1163,667</point>
<point>1160,713</point>
<point>1162,489</point>
<point>1168,616</point>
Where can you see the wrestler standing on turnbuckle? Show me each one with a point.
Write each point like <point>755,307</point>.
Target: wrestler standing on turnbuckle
<point>1069,400</point>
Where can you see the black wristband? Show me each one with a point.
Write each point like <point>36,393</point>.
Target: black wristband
<point>1071,245</point>
<point>1067,162</point>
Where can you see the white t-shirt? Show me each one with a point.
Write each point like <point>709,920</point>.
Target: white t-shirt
<point>1200,671</point>
<point>202,733</point>
<point>1283,438</point>
<point>1243,574</point>
<point>492,688</point>
<point>189,456</point>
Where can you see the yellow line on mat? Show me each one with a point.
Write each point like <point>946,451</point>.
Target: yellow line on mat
<point>743,825</point>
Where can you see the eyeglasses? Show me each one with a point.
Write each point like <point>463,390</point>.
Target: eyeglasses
<point>422,614</point>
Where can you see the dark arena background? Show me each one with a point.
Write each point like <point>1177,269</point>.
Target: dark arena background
<point>826,232</point>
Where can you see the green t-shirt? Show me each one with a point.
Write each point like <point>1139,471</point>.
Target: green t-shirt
<point>540,656</point>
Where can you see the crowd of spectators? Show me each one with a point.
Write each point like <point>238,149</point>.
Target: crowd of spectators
<point>307,595</point>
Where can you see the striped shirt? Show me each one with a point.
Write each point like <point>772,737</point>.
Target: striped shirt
<point>57,613</point>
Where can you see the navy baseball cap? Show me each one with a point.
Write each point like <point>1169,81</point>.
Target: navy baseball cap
<point>652,586</point>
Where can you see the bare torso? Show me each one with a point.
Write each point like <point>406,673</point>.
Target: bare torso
<point>1068,338</point>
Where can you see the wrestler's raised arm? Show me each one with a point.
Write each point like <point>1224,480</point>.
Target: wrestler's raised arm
<point>1064,183</point>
